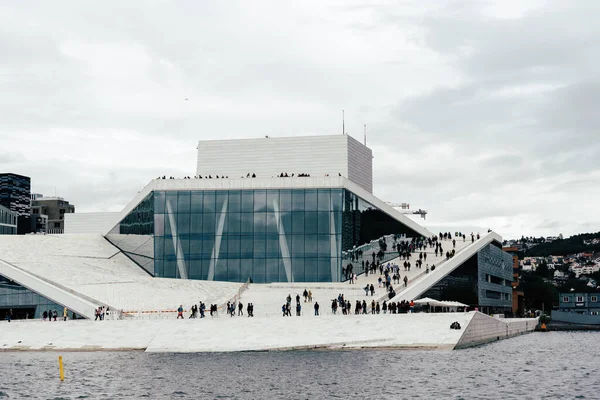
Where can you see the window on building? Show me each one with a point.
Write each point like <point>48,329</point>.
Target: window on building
<point>57,224</point>
<point>491,294</point>
<point>565,299</point>
<point>579,299</point>
<point>594,299</point>
<point>594,313</point>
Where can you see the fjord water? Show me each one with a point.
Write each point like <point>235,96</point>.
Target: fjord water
<point>561,365</point>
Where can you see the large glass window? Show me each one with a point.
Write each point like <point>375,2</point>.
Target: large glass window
<point>255,233</point>
<point>26,304</point>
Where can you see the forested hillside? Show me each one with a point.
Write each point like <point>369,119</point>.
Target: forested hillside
<point>562,247</point>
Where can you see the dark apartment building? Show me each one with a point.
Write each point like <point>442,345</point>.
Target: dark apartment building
<point>15,194</point>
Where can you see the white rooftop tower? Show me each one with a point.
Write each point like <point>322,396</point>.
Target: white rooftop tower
<point>268,157</point>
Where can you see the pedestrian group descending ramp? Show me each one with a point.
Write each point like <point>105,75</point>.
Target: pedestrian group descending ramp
<point>268,298</point>
<point>426,281</point>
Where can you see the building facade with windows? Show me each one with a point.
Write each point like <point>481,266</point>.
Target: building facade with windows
<point>27,304</point>
<point>580,303</point>
<point>578,308</point>
<point>262,230</point>
<point>15,194</point>
<point>485,279</point>
<point>54,210</point>
<point>8,221</point>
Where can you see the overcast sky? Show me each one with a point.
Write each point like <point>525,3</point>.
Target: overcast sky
<point>485,113</point>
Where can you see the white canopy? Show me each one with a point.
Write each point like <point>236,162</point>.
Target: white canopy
<point>438,303</point>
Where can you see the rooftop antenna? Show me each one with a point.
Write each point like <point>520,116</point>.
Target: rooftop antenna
<point>343,124</point>
<point>365,134</point>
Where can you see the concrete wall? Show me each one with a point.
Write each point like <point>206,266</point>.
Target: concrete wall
<point>484,329</point>
<point>95,222</point>
<point>269,157</point>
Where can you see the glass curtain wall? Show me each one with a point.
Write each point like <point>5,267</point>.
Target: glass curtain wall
<point>26,304</point>
<point>363,225</point>
<point>135,234</point>
<point>280,235</point>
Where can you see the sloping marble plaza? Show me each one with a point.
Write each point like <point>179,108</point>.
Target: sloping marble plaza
<point>226,334</point>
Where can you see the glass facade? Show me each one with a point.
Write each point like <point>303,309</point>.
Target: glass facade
<point>278,235</point>
<point>24,303</point>
<point>262,235</point>
<point>135,234</point>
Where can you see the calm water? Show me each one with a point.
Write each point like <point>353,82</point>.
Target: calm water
<point>559,365</point>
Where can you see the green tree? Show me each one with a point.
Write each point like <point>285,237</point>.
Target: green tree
<point>539,293</point>
<point>543,270</point>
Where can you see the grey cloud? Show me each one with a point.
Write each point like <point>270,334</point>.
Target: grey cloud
<point>512,99</point>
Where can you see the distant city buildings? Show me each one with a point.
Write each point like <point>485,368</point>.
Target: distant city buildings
<point>34,212</point>
<point>8,221</point>
<point>49,214</point>
<point>15,194</point>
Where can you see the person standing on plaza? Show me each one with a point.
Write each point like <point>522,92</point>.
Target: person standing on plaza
<point>65,314</point>
<point>180,312</point>
<point>316,306</point>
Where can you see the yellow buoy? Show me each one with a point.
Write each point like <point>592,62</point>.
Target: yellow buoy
<point>61,369</point>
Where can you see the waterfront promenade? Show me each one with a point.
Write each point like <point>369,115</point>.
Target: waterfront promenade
<point>227,334</point>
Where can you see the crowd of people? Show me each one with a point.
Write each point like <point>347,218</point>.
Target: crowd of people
<point>374,307</point>
<point>223,176</point>
<point>390,275</point>
<point>101,313</point>
<point>232,308</point>
<point>248,175</point>
<point>286,308</point>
